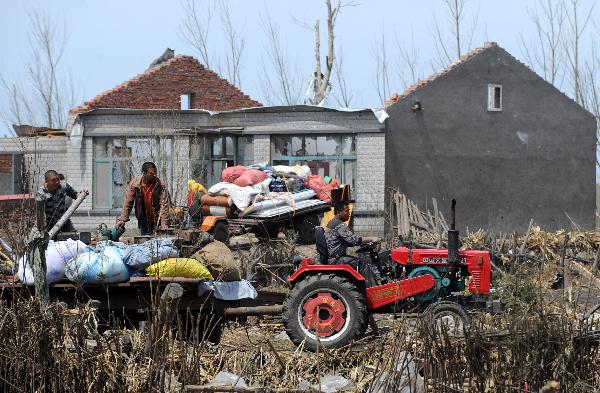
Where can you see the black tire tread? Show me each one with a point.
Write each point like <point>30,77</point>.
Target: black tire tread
<point>290,321</point>
<point>446,305</point>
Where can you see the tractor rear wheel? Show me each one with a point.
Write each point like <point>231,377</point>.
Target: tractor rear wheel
<point>326,310</point>
<point>447,317</point>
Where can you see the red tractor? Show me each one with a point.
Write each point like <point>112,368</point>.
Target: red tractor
<point>330,304</point>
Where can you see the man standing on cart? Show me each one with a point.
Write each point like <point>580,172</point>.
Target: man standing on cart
<point>147,194</point>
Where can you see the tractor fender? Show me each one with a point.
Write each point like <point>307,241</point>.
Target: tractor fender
<point>343,270</point>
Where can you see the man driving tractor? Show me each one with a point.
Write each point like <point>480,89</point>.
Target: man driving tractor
<point>340,237</point>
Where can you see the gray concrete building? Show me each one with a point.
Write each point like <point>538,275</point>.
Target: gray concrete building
<point>191,132</point>
<point>506,144</point>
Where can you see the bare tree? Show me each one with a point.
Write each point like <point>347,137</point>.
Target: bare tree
<point>195,27</point>
<point>545,53</point>
<point>235,44</point>
<point>409,66</point>
<point>44,95</point>
<point>341,92</point>
<point>280,83</point>
<point>578,20</point>
<point>461,35</point>
<point>382,75</point>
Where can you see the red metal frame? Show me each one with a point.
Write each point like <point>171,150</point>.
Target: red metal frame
<point>477,262</point>
<point>385,294</point>
<point>307,266</point>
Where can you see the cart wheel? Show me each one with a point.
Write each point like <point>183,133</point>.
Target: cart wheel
<point>325,309</point>
<point>220,232</point>
<point>266,232</point>
<point>447,317</point>
<point>305,227</point>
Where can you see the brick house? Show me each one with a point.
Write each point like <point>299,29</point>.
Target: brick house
<point>505,143</point>
<point>193,123</point>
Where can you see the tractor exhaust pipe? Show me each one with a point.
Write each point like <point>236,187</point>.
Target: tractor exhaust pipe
<point>453,236</point>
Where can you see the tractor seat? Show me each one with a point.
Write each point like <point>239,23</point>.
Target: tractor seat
<point>321,243</point>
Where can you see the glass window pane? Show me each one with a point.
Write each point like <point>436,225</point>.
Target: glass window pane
<point>200,147</point>
<point>310,146</point>
<point>217,147</point>
<point>279,146</point>
<point>245,150</point>
<point>6,174</point>
<point>229,150</point>
<point>328,145</point>
<point>348,145</point>
<point>297,146</point>
<point>349,171</point>
<point>101,147</point>
<point>102,175</point>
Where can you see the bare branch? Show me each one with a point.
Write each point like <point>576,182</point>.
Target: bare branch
<point>382,71</point>
<point>195,28</point>
<point>459,33</point>
<point>235,42</point>
<point>545,53</point>
<point>282,85</point>
<point>342,95</point>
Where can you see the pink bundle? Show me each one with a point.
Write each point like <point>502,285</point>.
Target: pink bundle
<point>230,174</point>
<point>250,177</point>
<point>318,185</point>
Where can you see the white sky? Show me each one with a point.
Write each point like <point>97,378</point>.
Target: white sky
<point>110,41</point>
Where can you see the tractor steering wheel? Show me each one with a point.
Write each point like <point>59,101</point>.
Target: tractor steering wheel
<point>368,247</point>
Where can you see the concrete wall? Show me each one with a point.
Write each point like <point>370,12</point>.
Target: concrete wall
<point>535,159</point>
<point>370,184</point>
<point>77,164</point>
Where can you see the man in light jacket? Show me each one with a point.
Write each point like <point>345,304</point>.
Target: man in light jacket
<point>150,199</point>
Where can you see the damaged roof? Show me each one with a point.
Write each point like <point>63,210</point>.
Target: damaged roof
<point>161,87</point>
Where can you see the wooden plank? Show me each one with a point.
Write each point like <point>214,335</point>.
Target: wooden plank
<point>436,214</point>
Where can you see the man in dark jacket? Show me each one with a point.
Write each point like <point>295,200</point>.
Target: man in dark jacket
<point>151,201</point>
<point>54,195</point>
<point>340,237</point>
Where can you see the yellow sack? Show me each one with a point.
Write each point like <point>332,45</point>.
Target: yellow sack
<point>179,267</point>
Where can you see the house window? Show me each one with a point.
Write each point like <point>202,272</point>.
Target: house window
<point>12,179</point>
<point>118,160</point>
<point>209,155</point>
<point>325,155</point>
<point>186,101</point>
<point>495,98</point>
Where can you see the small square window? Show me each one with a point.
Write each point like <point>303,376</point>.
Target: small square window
<point>494,98</point>
<point>186,101</point>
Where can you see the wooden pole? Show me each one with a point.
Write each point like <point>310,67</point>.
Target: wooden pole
<point>66,215</point>
<point>37,253</point>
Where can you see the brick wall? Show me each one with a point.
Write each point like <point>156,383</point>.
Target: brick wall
<point>161,87</point>
<point>370,184</point>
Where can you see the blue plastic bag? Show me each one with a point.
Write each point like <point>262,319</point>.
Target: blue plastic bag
<point>140,256</point>
<point>101,265</point>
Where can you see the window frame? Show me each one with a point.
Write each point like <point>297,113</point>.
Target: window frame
<point>491,107</point>
<point>209,160</point>
<point>111,160</point>
<point>341,159</point>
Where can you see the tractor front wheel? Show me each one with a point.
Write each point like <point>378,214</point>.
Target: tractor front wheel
<point>326,310</point>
